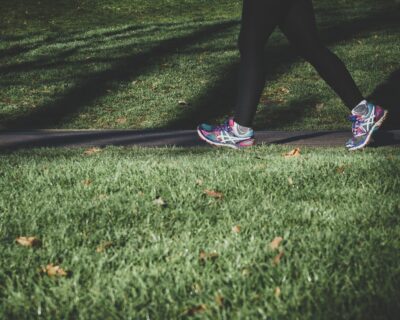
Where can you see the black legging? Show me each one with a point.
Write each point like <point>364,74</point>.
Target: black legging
<point>296,19</point>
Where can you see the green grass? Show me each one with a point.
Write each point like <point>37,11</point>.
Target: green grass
<point>127,64</point>
<point>338,213</point>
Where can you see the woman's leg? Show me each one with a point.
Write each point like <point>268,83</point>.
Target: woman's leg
<point>300,28</point>
<point>259,19</point>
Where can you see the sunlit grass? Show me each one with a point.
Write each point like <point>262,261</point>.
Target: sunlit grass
<point>337,212</point>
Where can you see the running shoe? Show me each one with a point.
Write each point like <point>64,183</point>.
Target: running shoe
<point>226,135</point>
<point>366,119</point>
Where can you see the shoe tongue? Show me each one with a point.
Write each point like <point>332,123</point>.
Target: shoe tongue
<point>361,110</point>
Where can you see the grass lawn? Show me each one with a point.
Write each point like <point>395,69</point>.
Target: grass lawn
<point>129,64</point>
<point>173,233</point>
<point>206,255</point>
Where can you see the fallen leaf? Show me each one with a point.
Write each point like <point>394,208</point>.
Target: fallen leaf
<point>236,229</point>
<point>293,153</point>
<point>54,271</point>
<point>121,120</point>
<point>277,292</point>
<point>214,194</point>
<point>87,182</point>
<point>275,243</point>
<point>204,256</point>
<point>199,182</point>
<point>160,202</point>
<point>29,241</point>
<point>340,169</point>
<point>196,309</point>
<point>219,299</point>
<point>91,151</point>
<point>104,246</point>
<point>290,181</point>
<point>277,259</point>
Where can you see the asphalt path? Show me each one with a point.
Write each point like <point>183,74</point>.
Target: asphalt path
<point>14,140</point>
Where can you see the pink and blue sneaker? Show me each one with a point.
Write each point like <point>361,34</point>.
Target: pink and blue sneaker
<point>366,119</point>
<point>226,135</point>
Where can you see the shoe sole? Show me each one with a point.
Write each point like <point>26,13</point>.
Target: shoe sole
<point>371,132</point>
<point>217,144</point>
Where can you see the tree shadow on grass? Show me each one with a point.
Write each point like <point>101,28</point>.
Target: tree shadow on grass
<point>18,48</point>
<point>218,99</point>
<point>274,116</point>
<point>98,84</point>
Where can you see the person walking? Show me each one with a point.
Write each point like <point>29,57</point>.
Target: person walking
<point>296,19</point>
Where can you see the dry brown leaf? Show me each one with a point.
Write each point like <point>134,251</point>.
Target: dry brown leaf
<point>275,243</point>
<point>277,292</point>
<point>219,299</point>
<point>236,229</point>
<point>160,202</point>
<point>293,153</point>
<point>91,151</point>
<point>54,271</point>
<point>121,120</point>
<point>196,309</point>
<point>29,241</point>
<point>104,246</point>
<point>277,259</point>
<point>87,182</point>
<point>214,194</point>
<point>340,169</point>
<point>204,256</point>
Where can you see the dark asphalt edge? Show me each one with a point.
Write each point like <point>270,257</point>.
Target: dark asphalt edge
<point>14,140</point>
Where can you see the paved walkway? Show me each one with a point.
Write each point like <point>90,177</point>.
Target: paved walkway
<point>184,138</point>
